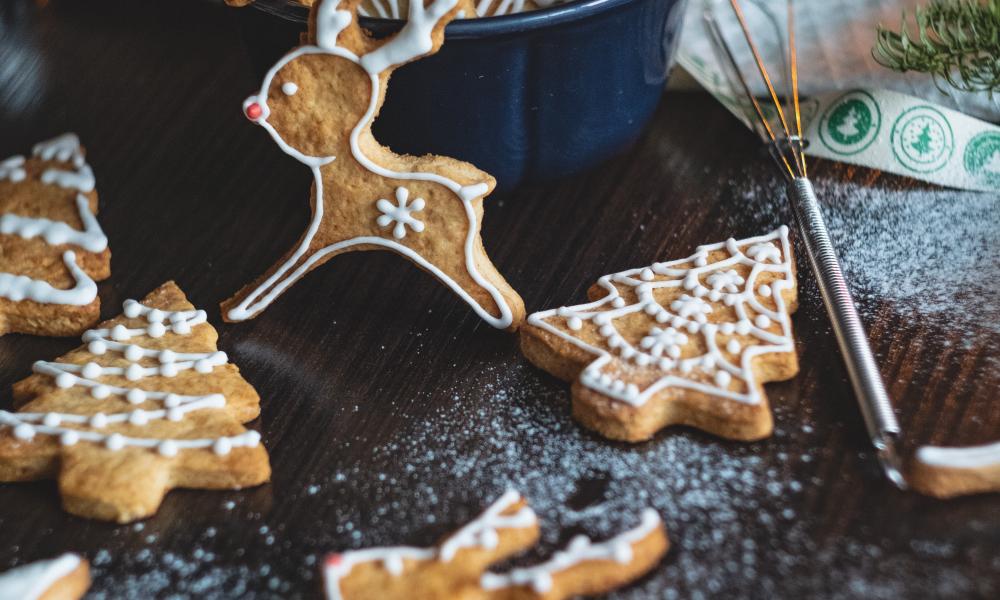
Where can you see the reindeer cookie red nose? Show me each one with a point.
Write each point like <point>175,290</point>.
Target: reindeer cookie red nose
<point>253,111</point>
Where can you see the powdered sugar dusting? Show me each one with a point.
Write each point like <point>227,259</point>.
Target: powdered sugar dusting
<point>513,430</point>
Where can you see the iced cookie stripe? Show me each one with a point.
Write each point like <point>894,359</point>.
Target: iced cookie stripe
<point>65,148</point>
<point>970,457</point>
<point>483,532</point>
<point>32,581</point>
<point>174,406</point>
<point>661,347</point>
<point>581,549</point>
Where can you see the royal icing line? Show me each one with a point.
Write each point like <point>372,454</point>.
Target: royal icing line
<point>412,41</point>
<point>65,148</point>
<point>580,549</point>
<point>687,316</point>
<point>480,533</point>
<point>174,406</point>
<point>31,581</point>
<point>55,233</point>
<point>971,457</point>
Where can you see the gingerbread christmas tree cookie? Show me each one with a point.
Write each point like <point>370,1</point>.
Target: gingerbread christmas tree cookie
<point>52,249</point>
<point>147,404</point>
<point>63,578</point>
<point>684,342</point>
<point>318,103</point>
<point>457,567</point>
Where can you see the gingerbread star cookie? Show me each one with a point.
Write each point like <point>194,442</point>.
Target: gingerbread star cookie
<point>318,103</point>
<point>52,248</point>
<point>457,567</point>
<point>686,342</point>
<point>147,404</point>
<point>946,472</point>
<point>64,578</point>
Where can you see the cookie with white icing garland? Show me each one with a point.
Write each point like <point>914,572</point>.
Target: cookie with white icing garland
<point>318,104</point>
<point>147,404</point>
<point>63,578</point>
<point>458,566</point>
<point>946,472</point>
<point>686,342</point>
<point>52,249</point>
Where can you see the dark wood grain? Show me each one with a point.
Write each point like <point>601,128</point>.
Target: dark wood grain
<point>392,413</point>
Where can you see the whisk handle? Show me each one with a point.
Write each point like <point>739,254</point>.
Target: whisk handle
<point>876,407</point>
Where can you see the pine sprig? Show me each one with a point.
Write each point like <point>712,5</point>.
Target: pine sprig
<point>957,42</point>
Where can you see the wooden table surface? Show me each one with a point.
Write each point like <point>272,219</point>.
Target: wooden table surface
<point>393,414</point>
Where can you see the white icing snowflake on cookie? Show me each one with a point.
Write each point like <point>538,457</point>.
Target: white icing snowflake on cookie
<point>689,307</point>
<point>765,252</point>
<point>401,214</point>
<point>667,340</point>
<point>727,281</point>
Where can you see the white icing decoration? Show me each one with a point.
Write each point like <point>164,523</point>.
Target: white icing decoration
<point>32,581</point>
<point>580,549</point>
<point>289,88</point>
<point>401,213</point>
<point>174,406</point>
<point>479,533</point>
<point>82,179</point>
<point>20,287</point>
<point>65,148</point>
<point>55,233</point>
<point>412,41</point>
<point>13,169</point>
<point>764,252</point>
<point>687,316</point>
<point>971,457</point>
<point>667,340</point>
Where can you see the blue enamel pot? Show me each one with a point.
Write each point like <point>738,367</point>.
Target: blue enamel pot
<point>527,97</point>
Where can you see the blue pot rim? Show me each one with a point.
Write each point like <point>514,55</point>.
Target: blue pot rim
<point>482,27</point>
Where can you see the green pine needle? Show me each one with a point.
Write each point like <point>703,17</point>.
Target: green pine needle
<point>957,42</point>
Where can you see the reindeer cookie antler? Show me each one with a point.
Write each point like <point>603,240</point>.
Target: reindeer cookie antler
<point>456,568</point>
<point>318,103</point>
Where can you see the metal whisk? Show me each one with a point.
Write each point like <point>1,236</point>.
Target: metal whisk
<point>785,143</point>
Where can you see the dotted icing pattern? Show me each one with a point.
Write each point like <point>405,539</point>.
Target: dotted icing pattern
<point>722,315</point>
<point>71,429</point>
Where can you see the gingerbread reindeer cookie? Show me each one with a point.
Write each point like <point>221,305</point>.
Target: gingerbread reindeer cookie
<point>456,568</point>
<point>318,103</point>
<point>52,248</point>
<point>64,578</point>
<point>684,342</point>
<point>147,404</point>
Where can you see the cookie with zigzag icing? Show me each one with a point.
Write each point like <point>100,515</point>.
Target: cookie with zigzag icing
<point>52,249</point>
